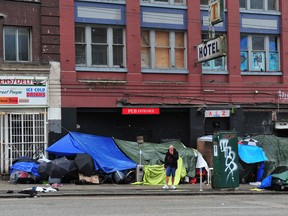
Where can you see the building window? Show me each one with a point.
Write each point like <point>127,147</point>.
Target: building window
<point>163,49</point>
<point>99,46</point>
<point>259,53</point>
<point>17,44</point>
<point>180,2</point>
<point>264,5</point>
<point>204,2</point>
<point>109,1</point>
<point>214,65</point>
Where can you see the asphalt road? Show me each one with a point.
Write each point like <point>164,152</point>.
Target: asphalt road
<point>222,205</point>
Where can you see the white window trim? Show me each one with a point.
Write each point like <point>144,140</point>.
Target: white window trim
<point>248,6</point>
<point>172,55</point>
<point>106,1</point>
<point>169,2</point>
<point>17,47</point>
<point>266,47</point>
<point>88,50</point>
<point>215,70</point>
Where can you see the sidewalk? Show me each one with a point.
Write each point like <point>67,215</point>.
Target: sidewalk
<point>8,190</point>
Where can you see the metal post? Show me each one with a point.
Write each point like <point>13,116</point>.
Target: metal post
<point>211,29</point>
<point>201,185</point>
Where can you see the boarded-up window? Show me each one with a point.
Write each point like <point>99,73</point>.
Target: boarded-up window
<point>179,49</point>
<point>162,50</point>
<point>145,49</point>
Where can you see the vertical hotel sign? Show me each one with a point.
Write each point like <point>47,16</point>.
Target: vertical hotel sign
<point>25,91</point>
<point>217,11</point>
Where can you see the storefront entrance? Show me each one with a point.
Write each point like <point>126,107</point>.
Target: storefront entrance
<point>21,134</point>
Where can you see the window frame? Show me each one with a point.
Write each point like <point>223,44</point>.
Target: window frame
<point>17,52</point>
<point>265,6</point>
<point>106,1</point>
<point>213,69</point>
<point>172,52</point>
<point>264,53</point>
<point>169,2</point>
<point>110,44</point>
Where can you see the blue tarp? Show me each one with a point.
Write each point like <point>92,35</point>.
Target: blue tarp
<point>29,167</point>
<point>251,154</point>
<point>64,147</point>
<point>106,154</point>
<point>266,182</point>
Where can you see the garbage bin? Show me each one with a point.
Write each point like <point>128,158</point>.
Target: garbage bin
<point>225,161</point>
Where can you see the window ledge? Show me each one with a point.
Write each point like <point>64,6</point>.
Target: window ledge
<point>260,12</point>
<point>105,1</point>
<point>164,5</point>
<point>95,69</point>
<point>215,72</point>
<point>268,73</point>
<point>103,81</point>
<point>165,71</point>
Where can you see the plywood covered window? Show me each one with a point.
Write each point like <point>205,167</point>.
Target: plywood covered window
<point>163,49</point>
<point>179,50</point>
<point>145,49</point>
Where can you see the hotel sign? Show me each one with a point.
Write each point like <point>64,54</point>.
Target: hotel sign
<point>140,111</point>
<point>212,49</point>
<point>217,11</point>
<point>23,91</point>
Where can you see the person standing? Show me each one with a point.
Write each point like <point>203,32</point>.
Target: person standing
<point>170,166</point>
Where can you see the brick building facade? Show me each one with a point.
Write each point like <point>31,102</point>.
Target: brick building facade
<point>29,77</point>
<point>143,54</point>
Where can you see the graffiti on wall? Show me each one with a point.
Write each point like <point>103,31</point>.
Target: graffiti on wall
<point>230,159</point>
<point>282,95</point>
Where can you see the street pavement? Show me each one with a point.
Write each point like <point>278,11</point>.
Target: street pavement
<point>10,190</point>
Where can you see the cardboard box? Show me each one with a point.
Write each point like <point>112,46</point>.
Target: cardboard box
<point>89,179</point>
<point>206,149</point>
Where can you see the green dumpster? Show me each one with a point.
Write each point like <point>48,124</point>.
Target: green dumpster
<point>225,161</point>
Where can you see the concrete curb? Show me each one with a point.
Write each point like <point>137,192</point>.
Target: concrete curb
<point>72,191</point>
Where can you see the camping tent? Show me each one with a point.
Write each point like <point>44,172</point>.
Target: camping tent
<point>154,153</point>
<point>107,156</point>
<point>276,150</point>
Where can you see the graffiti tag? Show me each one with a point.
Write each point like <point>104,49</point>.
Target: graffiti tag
<point>230,156</point>
<point>282,95</point>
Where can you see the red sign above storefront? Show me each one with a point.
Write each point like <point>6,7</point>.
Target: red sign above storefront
<point>140,111</point>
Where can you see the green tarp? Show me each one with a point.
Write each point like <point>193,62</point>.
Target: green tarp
<point>276,150</point>
<point>283,176</point>
<point>154,153</point>
<point>155,174</point>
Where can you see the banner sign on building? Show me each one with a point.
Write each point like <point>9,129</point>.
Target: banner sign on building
<point>140,111</point>
<point>27,91</point>
<point>217,113</point>
<point>212,49</point>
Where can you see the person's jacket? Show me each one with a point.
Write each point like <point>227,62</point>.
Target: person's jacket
<point>171,160</point>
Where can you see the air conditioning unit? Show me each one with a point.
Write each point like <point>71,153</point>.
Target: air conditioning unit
<point>139,173</point>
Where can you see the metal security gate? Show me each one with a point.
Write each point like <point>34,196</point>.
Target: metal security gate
<point>21,134</point>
